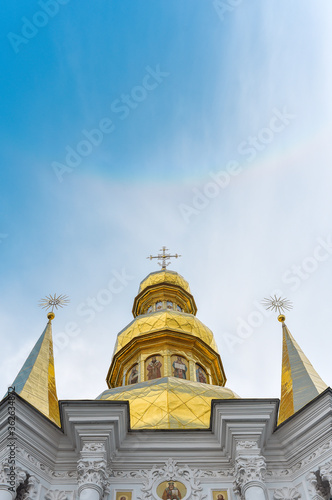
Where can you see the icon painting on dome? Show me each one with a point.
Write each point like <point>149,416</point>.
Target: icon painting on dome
<point>154,367</point>
<point>180,367</point>
<point>133,375</point>
<point>171,490</point>
<point>123,495</point>
<point>201,375</point>
<point>159,305</point>
<point>219,495</point>
<point>169,304</point>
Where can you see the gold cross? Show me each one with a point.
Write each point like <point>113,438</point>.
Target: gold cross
<point>163,257</point>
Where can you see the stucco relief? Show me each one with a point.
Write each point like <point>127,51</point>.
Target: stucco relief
<point>248,469</point>
<point>286,494</point>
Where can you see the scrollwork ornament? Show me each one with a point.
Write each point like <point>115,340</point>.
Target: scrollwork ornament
<point>313,457</point>
<point>169,471</point>
<point>286,494</point>
<point>42,468</point>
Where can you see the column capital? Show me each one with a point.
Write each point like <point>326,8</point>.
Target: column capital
<point>92,467</point>
<point>325,471</point>
<point>249,472</point>
<point>12,477</point>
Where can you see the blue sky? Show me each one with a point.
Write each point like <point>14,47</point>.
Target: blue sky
<point>155,100</point>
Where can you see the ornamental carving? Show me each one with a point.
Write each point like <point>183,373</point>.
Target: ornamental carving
<point>93,447</point>
<point>170,471</point>
<point>56,495</point>
<point>26,485</point>
<point>92,472</point>
<point>197,473</point>
<point>286,494</point>
<point>317,454</point>
<point>318,488</point>
<point>246,445</point>
<point>247,469</point>
<point>4,471</point>
<point>68,475</point>
<point>326,472</point>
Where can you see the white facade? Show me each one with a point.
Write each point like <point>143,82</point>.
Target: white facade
<point>96,456</point>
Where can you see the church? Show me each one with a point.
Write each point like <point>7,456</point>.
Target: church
<point>166,427</point>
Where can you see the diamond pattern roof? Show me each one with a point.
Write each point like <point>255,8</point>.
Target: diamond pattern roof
<point>169,403</point>
<point>164,320</point>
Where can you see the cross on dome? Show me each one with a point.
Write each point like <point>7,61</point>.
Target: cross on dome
<point>164,257</point>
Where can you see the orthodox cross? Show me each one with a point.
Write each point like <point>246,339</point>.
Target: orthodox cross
<point>164,257</point>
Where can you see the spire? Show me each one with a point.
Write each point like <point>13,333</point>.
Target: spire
<point>36,381</point>
<point>300,383</point>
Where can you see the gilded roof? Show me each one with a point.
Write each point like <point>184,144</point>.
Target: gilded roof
<point>36,380</point>
<point>164,276</point>
<point>165,320</point>
<point>300,383</point>
<point>169,403</point>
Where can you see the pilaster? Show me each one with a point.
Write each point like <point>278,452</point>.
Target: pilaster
<point>91,469</point>
<point>250,469</point>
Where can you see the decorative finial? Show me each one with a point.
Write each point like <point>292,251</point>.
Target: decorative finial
<point>50,302</point>
<point>163,257</point>
<point>279,305</point>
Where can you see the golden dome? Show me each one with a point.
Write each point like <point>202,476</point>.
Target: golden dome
<point>169,403</point>
<point>164,276</point>
<point>165,320</point>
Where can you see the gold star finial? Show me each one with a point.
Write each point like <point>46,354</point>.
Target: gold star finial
<point>278,304</point>
<point>51,302</point>
<point>164,257</point>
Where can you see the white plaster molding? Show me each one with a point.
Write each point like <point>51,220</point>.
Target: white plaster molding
<point>286,494</point>
<point>56,495</point>
<point>314,456</point>
<point>151,478</point>
<point>4,471</point>
<point>31,490</point>
<point>326,472</point>
<point>249,469</point>
<point>311,480</point>
<point>92,473</point>
<point>246,445</point>
<point>198,473</point>
<point>92,467</point>
<point>92,446</point>
<point>23,454</point>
